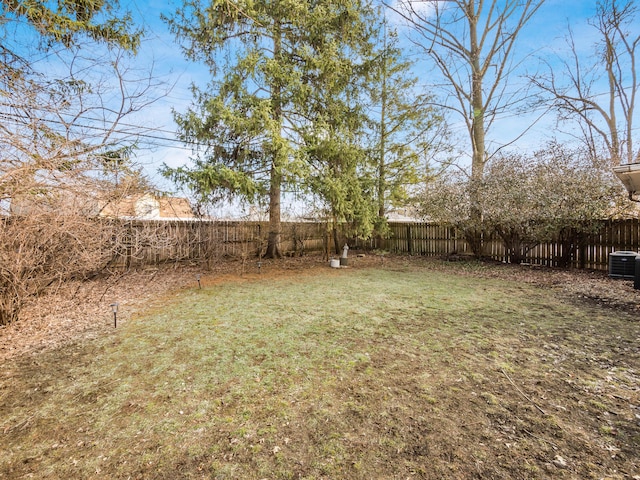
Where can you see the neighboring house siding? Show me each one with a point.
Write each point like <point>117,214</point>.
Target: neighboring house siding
<point>148,207</point>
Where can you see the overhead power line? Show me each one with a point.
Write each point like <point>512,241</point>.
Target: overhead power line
<point>147,132</point>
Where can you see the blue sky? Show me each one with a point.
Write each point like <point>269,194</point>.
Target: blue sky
<point>543,36</point>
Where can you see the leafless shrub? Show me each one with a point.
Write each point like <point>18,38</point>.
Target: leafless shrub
<point>43,249</point>
<point>63,158</point>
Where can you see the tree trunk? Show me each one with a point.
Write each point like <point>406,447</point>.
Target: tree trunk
<point>513,242</point>
<point>336,243</point>
<point>474,235</point>
<point>568,242</point>
<point>273,239</point>
<point>383,135</point>
<point>610,60</point>
<point>275,184</point>
<point>325,243</point>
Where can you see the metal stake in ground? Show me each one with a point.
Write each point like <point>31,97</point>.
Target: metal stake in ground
<point>114,309</point>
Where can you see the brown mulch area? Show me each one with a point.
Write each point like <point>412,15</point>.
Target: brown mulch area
<point>81,310</point>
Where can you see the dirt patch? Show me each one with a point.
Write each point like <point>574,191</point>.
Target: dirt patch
<point>590,286</point>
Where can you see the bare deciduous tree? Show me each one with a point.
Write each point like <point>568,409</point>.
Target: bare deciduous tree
<point>600,93</point>
<point>472,43</point>
<point>59,136</point>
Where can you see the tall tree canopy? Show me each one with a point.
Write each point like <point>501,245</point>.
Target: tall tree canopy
<point>268,61</point>
<point>403,124</point>
<point>68,21</point>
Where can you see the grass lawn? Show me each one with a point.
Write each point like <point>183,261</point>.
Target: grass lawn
<point>392,372</point>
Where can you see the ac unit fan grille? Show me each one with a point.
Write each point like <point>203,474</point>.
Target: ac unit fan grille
<point>622,265</point>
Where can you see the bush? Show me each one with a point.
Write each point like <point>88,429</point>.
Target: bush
<point>556,193</point>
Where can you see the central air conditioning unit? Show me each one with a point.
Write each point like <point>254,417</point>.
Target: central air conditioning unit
<point>622,265</point>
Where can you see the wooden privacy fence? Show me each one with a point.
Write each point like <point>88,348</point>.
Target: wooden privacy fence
<point>153,242</point>
<point>150,242</point>
<point>589,251</point>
